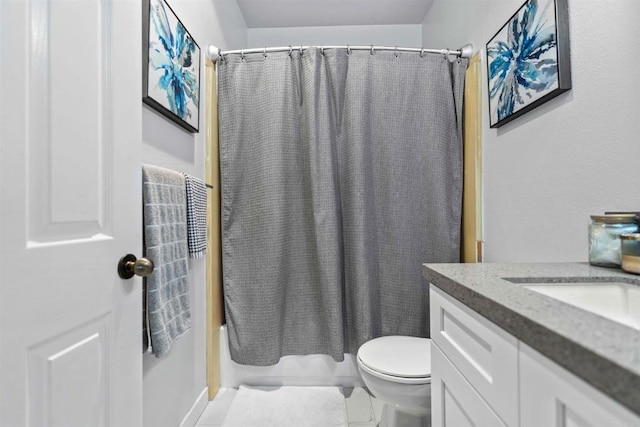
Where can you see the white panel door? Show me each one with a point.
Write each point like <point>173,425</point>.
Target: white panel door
<point>70,132</point>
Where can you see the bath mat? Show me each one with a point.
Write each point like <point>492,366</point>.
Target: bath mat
<point>287,407</point>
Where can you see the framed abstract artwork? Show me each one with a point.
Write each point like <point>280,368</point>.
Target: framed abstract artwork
<point>170,66</point>
<point>528,60</point>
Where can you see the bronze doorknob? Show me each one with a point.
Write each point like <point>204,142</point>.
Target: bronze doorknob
<point>129,265</point>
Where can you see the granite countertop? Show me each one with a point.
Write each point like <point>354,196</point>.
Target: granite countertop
<point>604,353</point>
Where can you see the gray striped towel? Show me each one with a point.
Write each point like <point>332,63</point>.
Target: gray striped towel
<point>165,238</point>
<point>196,216</point>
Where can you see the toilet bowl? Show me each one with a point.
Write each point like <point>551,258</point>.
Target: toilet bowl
<point>397,371</point>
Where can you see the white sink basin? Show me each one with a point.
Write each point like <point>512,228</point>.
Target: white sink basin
<point>617,301</point>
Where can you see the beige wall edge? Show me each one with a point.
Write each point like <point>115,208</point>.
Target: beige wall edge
<point>472,193</point>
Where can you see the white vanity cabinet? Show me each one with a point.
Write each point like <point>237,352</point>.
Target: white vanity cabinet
<point>483,376</point>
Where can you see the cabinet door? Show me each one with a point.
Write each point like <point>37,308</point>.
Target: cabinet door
<point>553,397</point>
<point>454,402</point>
<point>486,355</point>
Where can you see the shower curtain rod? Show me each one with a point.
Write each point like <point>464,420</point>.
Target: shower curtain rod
<point>214,53</point>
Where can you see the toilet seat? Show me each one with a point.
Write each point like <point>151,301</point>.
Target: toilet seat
<point>400,359</point>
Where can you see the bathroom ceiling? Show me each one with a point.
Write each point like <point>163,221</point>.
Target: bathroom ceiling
<point>312,13</point>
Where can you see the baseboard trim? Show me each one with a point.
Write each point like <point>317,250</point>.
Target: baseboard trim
<point>196,410</point>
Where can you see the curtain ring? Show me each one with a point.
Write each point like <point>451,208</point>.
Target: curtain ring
<point>322,50</point>
<point>264,53</point>
<point>372,51</point>
<point>422,53</point>
<point>396,51</point>
<point>290,51</point>
<point>348,50</point>
<point>220,55</point>
<point>242,54</point>
<point>301,52</point>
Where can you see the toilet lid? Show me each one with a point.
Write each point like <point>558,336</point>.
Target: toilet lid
<point>399,356</point>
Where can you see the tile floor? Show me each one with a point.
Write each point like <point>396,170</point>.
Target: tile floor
<point>362,409</point>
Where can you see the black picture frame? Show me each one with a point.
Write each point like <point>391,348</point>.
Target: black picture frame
<point>505,104</point>
<point>179,101</point>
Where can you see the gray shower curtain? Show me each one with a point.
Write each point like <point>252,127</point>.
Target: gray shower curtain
<point>341,175</point>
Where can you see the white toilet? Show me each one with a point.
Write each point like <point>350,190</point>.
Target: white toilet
<point>397,370</point>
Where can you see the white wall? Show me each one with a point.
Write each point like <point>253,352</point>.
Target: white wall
<point>576,155</point>
<point>544,173</point>
<point>389,35</point>
<point>173,383</point>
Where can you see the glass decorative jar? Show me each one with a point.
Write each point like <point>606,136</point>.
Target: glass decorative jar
<point>630,250</point>
<point>604,237</point>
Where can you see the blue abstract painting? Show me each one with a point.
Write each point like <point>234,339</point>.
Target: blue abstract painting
<point>523,62</point>
<point>173,81</point>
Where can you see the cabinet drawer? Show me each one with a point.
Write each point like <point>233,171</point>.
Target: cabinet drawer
<point>485,355</point>
<point>454,403</point>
